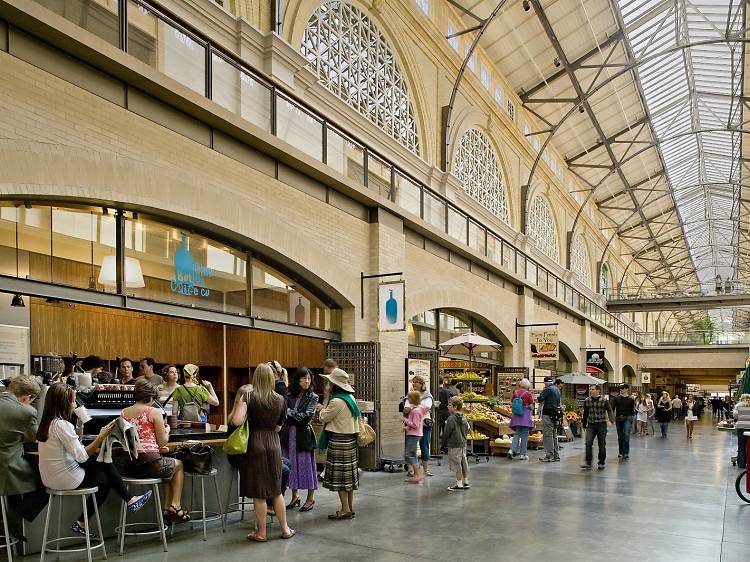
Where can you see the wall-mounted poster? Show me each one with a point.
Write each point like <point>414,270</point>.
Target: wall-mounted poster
<point>421,367</point>
<point>544,344</point>
<point>645,378</point>
<point>595,362</point>
<point>14,347</point>
<point>391,307</point>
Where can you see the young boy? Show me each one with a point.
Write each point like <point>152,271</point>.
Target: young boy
<point>454,439</point>
<point>413,428</point>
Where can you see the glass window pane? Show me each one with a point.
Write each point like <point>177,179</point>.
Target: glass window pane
<point>434,211</point>
<point>299,128</point>
<point>422,330</point>
<point>171,265</point>
<point>408,194</point>
<point>35,243</point>
<point>166,47</point>
<point>457,225</point>
<point>100,17</point>
<point>77,246</point>
<point>278,298</point>
<point>378,176</point>
<point>345,156</point>
<point>240,92</point>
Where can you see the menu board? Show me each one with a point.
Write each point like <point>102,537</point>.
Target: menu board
<point>14,346</point>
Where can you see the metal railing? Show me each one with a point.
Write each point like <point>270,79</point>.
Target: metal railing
<point>144,29</point>
<point>712,290</point>
<point>697,337</point>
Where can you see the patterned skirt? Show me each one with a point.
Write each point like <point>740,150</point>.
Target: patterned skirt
<point>341,463</point>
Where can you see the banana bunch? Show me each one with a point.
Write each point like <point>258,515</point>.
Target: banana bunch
<point>475,435</point>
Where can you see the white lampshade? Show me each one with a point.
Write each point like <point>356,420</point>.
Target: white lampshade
<point>133,273</point>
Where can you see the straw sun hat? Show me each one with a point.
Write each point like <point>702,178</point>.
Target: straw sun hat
<point>340,378</point>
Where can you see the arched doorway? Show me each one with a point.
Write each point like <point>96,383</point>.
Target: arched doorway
<point>628,375</point>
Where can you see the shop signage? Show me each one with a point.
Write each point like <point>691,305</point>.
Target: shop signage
<point>595,362</point>
<point>645,378</point>
<point>391,307</point>
<point>189,275</point>
<point>545,344</point>
<point>456,364</point>
<point>421,367</point>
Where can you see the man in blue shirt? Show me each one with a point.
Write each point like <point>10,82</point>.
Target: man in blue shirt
<point>549,400</point>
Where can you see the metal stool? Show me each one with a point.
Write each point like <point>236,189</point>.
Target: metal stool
<point>83,493</point>
<point>239,505</point>
<point>9,541</point>
<point>122,529</point>
<point>210,516</point>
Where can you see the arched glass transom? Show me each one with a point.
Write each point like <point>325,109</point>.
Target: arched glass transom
<point>477,168</point>
<point>351,57</point>
<point>579,260</point>
<point>604,280</point>
<point>541,228</point>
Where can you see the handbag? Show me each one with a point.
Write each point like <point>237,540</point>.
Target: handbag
<point>197,459</point>
<point>365,432</point>
<point>236,444</point>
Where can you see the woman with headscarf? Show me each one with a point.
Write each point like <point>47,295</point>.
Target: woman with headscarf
<point>339,413</point>
<point>298,438</point>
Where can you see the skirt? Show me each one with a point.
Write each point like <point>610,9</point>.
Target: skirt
<point>303,474</point>
<point>341,463</point>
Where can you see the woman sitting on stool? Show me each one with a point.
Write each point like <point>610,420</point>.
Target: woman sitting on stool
<point>154,436</point>
<point>65,464</point>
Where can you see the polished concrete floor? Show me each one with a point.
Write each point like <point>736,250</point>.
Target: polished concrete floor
<point>674,500</point>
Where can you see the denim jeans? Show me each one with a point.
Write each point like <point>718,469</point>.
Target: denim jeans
<point>598,431</point>
<point>522,434</point>
<point>424,444</point>
<point>664,426</point>
<point>623,434</point>
<point>410,449</point>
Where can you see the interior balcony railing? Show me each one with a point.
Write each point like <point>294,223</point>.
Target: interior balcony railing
<point>694,338</point>
<point>642,299</point>
<point>167,43</point>
<point>713,290</point>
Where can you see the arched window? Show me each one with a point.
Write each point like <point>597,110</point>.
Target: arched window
<point>579,260</point>
<point>541,228</point>
<point>604,280</point>
<point>477,168</point>
<point>351,57</point>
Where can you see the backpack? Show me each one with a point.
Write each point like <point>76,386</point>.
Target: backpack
<point>517,406</point>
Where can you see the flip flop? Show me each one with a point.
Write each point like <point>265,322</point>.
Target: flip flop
<point>292,532</point>
<point>255,538</point>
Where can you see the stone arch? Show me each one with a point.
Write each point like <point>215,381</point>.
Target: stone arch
<point>568,356</point>
<point>295,21</point>
<point>628,375</point>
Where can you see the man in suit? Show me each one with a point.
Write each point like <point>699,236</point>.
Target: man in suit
<point>18,424</point>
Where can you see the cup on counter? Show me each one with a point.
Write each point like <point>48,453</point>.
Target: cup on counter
<point>82,414</point>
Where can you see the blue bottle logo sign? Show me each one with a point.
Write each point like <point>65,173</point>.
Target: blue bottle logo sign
<point>189,274</point>
<point>391,308</point>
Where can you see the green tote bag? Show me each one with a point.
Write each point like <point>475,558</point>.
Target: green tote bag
<point>236,444</point>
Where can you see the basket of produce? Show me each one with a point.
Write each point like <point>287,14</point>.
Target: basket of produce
<point>469,376</point>
<point>475,435</point>
<point>472,397</point>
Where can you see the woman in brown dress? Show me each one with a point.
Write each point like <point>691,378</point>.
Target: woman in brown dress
<point>260,467</point>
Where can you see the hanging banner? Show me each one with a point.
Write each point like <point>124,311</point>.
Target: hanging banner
<point>595,362</point>
<point>545,344</point>
<point>391,307</point>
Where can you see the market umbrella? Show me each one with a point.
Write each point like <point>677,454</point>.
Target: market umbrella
<point>471,342</point>
<point>580,378</point>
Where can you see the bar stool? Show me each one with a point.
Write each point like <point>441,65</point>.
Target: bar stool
<point>8,541</point>
<point>241,502</point>
<point>211,515</point>
<point>84,494</point>
<point>122,529</point>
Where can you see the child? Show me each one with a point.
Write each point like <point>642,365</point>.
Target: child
<point>413,429</point>
<point>454,439</point>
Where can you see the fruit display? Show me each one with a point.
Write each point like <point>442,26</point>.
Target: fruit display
<point>475,435</point>
<point>535,437</point>
<point>503,410</point>
<point>468,376</point>
<point>503,439</point>
<point>481,413</point>
<point>472,397</point>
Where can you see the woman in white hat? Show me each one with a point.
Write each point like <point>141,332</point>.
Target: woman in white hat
<point>339,413</point>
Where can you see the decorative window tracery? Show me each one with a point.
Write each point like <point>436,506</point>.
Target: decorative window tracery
<point>541,228</point>
<point>477,167</point>
<point>352,58</point>
<point>579,260</point>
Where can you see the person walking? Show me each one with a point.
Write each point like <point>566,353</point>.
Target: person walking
<point>692,410</point>
<point>623,407</point>
<point>664,412</point>
<point>642,415</point>
<point>597,414</point>
<point>742,424</point>
<point>637,398</point>
<point>260,466</point>
<point>651,413</point>
<point>298,438</point>
<point>339,413</point>
<point>549,400</point>
<point>522,403</point>
<point>676,407</point>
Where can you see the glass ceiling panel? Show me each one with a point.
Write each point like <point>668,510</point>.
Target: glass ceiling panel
<point>694,92</point>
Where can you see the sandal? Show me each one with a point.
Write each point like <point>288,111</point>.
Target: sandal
<point>177,514</point>
<point>338,515</point>
<point>253,536</point>
<point>292,532</point>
